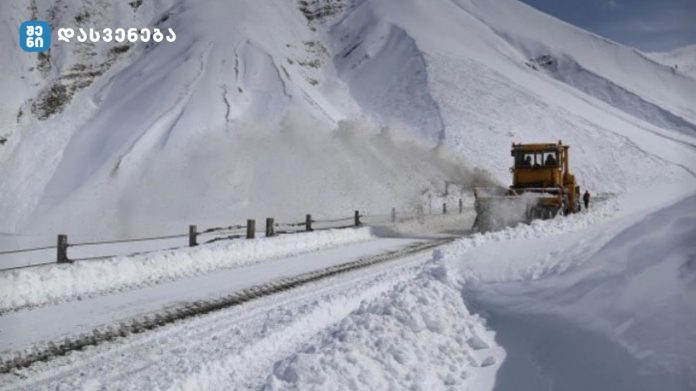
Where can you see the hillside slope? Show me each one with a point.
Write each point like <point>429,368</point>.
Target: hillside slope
<point>282,108</point>
<point>681,60</point>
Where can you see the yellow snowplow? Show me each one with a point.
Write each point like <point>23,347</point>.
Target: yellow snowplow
<point>542,187</point>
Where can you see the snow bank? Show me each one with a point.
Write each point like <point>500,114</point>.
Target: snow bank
<point>610,310</point>
<point>599,211</point>
<point>418,336</point>
<point>37,286</point>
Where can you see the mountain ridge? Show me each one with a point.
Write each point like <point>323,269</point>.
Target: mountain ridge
<point>449,75</point>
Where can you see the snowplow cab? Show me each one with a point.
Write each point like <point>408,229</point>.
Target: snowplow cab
<point>537,165</point>
<point>542,187</point>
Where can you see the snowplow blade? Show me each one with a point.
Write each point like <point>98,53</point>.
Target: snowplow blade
<point>495,212</point>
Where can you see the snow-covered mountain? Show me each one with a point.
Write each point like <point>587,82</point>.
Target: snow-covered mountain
<point>682,60</point>
<point>280,107</point>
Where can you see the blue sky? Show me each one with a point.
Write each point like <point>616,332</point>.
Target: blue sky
<point>649,25</point>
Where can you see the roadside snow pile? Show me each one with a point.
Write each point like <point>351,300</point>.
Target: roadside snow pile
<point>38,286</point>
<point>599,211</point>
<point>616,313</point>
<point>418,336</point>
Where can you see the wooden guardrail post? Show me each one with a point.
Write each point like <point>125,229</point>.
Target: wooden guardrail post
<point>193,233</point>
<point>308,222</point>
<point>393,215</point>
<point>461,206</point>
<point>251,228</point>
<point>444,208</point>
<point>62,249</point>
<point>356,218</point>
<point>269,227</point>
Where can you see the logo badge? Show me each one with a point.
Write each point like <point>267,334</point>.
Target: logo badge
<point>35,36</point>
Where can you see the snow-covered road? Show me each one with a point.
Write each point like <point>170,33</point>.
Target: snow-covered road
<point>249,338</point>
<point>457,317</point>
<point>25,328</point>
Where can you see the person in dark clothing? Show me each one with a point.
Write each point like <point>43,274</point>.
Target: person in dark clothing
<point>586,198</point>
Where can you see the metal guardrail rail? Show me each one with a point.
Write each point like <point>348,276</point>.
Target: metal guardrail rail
<point>226,233</point>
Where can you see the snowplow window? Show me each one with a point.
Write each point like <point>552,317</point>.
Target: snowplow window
<point>550,159</point>
<point>536,159</point>
<point>524,160</point>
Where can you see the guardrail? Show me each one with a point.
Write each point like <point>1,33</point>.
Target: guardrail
<point>247,231</point>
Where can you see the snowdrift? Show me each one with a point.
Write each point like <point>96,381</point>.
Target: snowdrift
<point>593,310</point>
<point>419,335</point>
